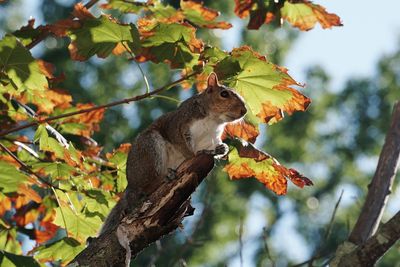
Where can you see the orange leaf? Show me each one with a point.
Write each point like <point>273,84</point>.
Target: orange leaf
<point>246,161</point>
<point>90,119</point>
<point>47,233</point>
<point>81,12</point>
<point>5,204</point>
<point>241,129</point>
<point>304,15</point>
<point>61,27</point>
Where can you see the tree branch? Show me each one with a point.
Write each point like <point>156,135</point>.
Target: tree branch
<point>160,214</point>
<point>380,187</point>
<point>119,102</point>
<point>361,249</point>
<point>375,247</point>
<point>46,32</point>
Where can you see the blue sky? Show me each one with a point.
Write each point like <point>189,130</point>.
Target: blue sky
<point>371,29</point>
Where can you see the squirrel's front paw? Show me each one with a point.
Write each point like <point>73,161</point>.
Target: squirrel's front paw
<point>172,174</point>
<point>221,149</point>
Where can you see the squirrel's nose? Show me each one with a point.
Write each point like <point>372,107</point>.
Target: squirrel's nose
<point>243,111</point>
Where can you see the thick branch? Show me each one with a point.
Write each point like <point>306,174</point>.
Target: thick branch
<point>119,102</point>
<point>162,213</point>
<point>381,184</point>
<point>375,247</point>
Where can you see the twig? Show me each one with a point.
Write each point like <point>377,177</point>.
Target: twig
<point>27,169</point>
<point>266,248</point>
<point>380,187</point>
<point>241,241</point>
<point>46,32</point>
<point>119,102</point>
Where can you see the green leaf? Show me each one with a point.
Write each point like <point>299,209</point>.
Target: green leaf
<point>124,6</point>
<point>10,177</point>
<point>79,225</point>
<point>173,43</point>
<point>18,65</point>
<point>100,37</point>
<point>47,143</point>
<point>56,170</point>
<point>10,260</point>
<point>98,202</point>
<point>63,250</point>
<point>265,87</point>
<point>8,240</point>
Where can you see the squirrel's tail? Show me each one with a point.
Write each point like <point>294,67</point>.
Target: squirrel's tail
<point>115,216</point>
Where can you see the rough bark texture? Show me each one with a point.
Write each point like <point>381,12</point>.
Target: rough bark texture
<point>381,184</point>
<point>375,247</point>
<point>364,247</point>
<point>160,214</point>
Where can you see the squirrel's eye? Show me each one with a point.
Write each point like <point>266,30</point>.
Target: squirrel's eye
<point>224,94</point>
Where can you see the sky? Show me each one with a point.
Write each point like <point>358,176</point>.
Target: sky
<point>370,29</point>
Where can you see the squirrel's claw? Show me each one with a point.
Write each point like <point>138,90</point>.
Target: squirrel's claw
<point>221,149</point>
<point>171,175</point>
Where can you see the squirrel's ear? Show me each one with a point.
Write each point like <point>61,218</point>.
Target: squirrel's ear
<point>212,80</point>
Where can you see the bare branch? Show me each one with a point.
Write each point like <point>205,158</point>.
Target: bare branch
<point>160,214</point>
<point>381,184</point>
<point>119,102</point>
<point>375,247</point>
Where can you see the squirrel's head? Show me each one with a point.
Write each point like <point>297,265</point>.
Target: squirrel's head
<point>224,102</point>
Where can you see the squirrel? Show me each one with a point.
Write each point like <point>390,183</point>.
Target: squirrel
<point>194,127</point>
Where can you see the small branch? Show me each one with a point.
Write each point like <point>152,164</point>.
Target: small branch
<point>119,102</point>
<point>46,32</point>
<point>380,187</point>
<point>375,247</point>
<point>161,213</point>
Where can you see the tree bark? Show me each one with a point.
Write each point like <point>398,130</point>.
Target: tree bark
<point>364,247</point>
<point>380,187</point>
<point>375,247</point>
<point>161,213</point>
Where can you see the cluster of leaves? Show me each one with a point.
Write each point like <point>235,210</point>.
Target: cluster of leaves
<point>57,192</point>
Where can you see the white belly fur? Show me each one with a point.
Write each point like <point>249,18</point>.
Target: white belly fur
<point>206,134</point>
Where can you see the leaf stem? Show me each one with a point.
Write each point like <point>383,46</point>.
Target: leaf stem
<point>115,103</point>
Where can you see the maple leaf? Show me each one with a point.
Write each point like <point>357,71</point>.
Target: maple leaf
<point>28,33</point>
<point>63,250</point>
<point>11,177</point>
<point>242,129</point>
<point>173,43</point>
<point>260,12</point>
<point>300,13</point>
<point>304,15</point>
<point>125,6</point>
<point>100,36</point>
<point>202,16</point>
<point>246,161</point>
<point>264,86</point>
<point>5,204</point>
<point>21,70</point>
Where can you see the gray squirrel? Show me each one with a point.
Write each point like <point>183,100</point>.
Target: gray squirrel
<point>194,127</point>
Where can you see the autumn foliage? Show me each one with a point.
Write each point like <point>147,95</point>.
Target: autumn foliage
<point>61,190</point>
